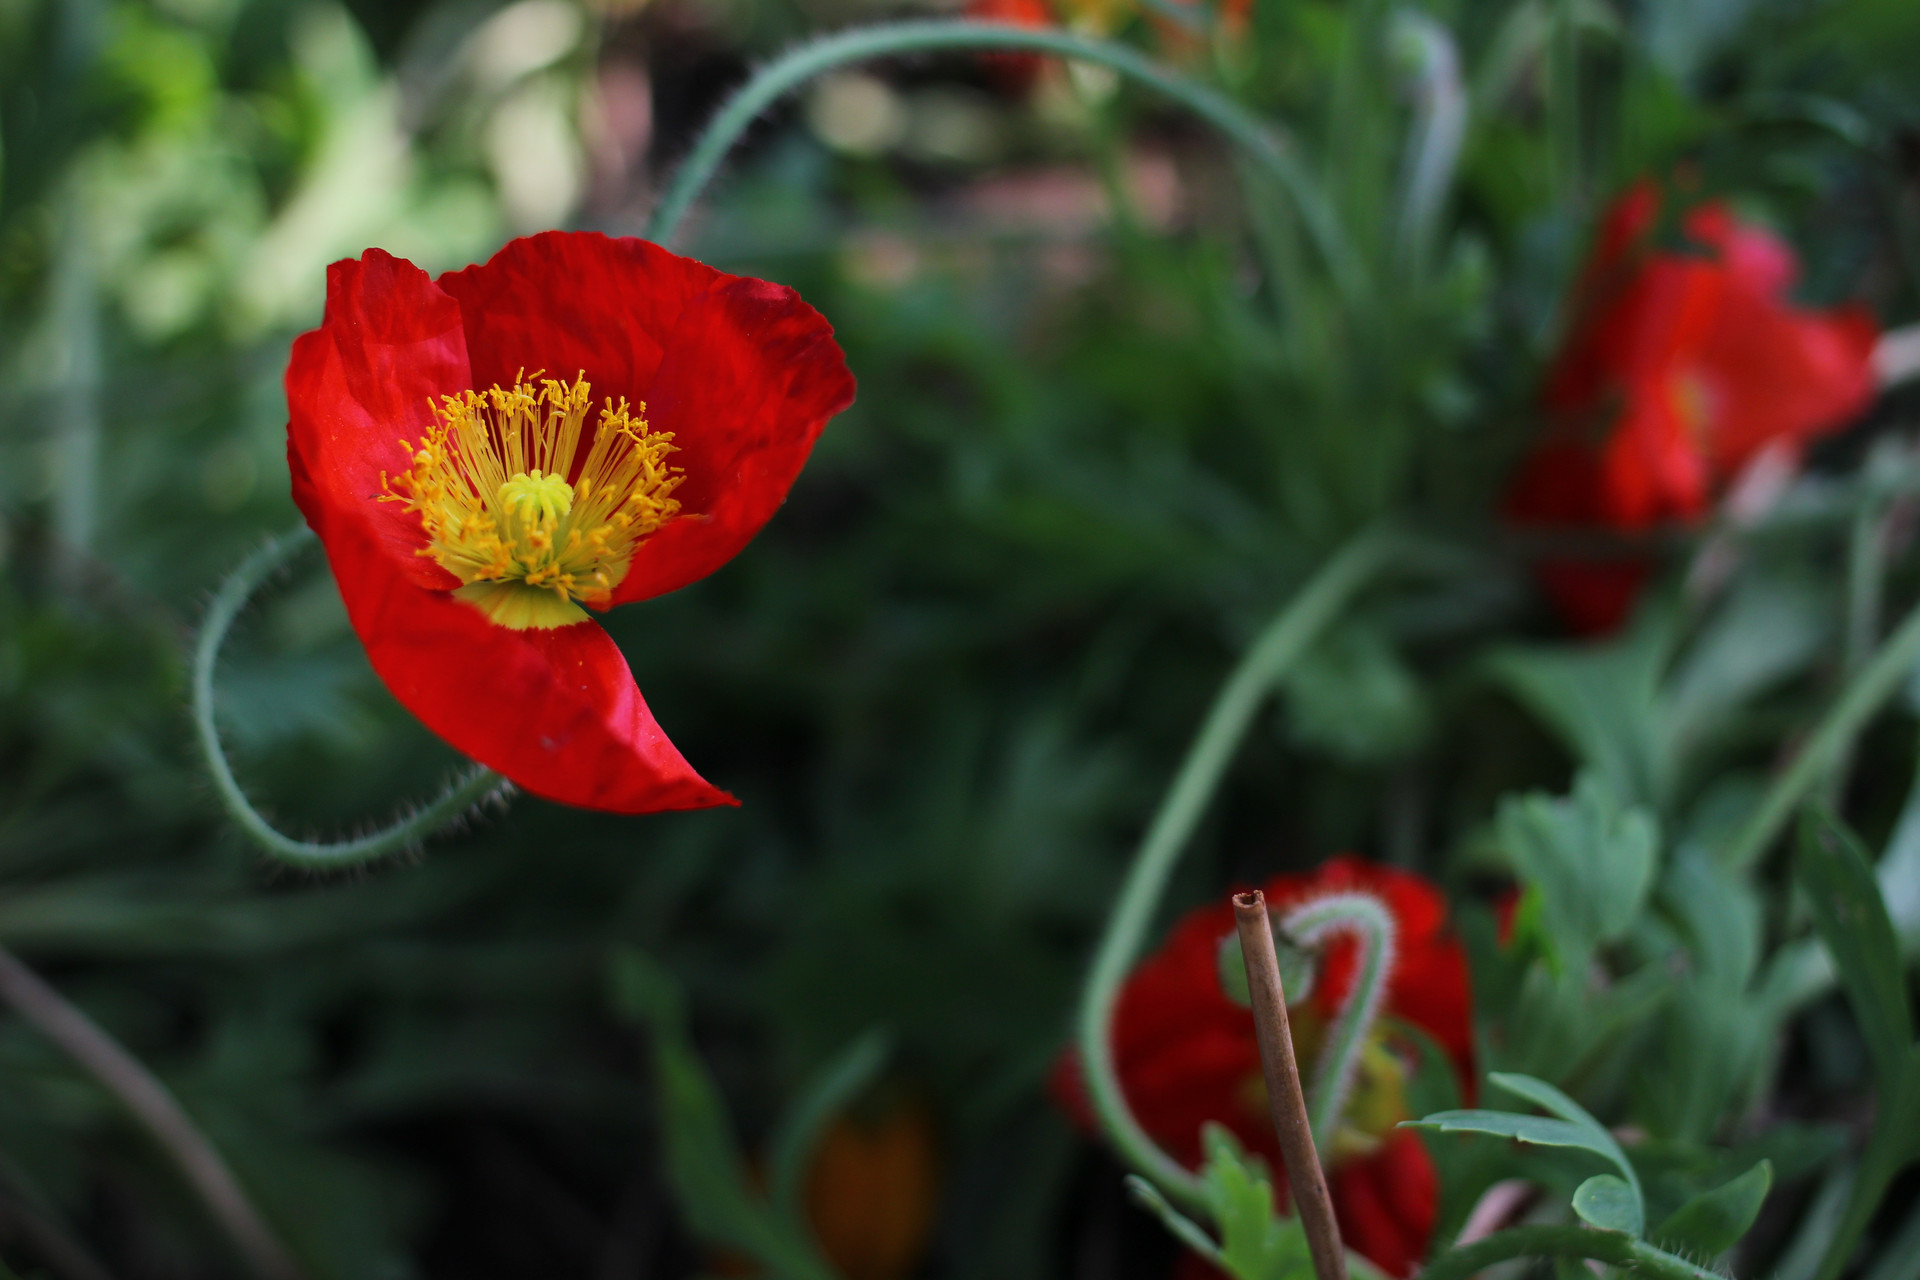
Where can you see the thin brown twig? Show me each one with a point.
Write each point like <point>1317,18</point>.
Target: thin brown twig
<point>1285,1098</point>
<point>123,1076</point>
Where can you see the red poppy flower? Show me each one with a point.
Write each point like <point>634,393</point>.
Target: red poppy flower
<point>580,421</point>
<point>1186,1054</point>
<point>1682,368</point>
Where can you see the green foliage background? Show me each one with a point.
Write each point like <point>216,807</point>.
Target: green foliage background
<point>1086,462</point>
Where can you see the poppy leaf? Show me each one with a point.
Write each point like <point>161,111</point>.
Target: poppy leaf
<point>1713,1221</point>
<point>1255,1243</point>
<point>1606,1202</point>
<point>1548,1098</point>
<point>1588,857</point>
<point>1851,917</point>
<point>703,1163</point>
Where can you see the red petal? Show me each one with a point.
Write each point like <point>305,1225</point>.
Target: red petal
<point>747,382</point>
<point>563,302</point>
<point>555,710</point>
<point>1387,1203</point>
<point>358,386</point>
<point>742,372</point>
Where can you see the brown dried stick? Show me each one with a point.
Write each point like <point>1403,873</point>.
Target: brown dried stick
<point>1284,1095</point>
<point>122,1075</point>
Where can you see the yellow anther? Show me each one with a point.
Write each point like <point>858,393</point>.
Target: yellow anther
<point>489,483</point>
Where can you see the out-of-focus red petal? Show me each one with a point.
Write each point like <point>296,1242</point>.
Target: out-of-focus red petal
<point>747,380</point>
<point>1388,1202</point>
<point>556,710</point>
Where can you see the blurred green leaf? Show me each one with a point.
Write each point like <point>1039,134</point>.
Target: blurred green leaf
<point>1606,1202</point>
<point>708,1174</point>
<point>1589,859</point>
<point>1838,880</point>
<point>1255,1242</point>
<point>1714,1221</point>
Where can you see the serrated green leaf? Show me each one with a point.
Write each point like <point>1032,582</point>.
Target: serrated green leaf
<point>1834,872</point>
<point>1713,1222</point>
<point>1255,1243</point>
<point>1608,1203</point>
<point>1589,860</point>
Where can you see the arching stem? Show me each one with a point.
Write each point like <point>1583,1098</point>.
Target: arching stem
<point>1310,925</point>
<point>460,796</point>
<point>1277,648</point>
<point>1260,139</point>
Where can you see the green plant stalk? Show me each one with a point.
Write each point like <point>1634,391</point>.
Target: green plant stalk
<point>1614,1247</point>
<point>460,796</point>
<point>1888,1151</point>
<point>1261,140</point>
<point>1285,639</point>
<point>1310,924</point>
<point>1858,703</point>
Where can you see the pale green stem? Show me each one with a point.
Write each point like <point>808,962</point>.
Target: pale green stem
<point>1615,1247</point>
<point>1276,649</point>
<point>1260,138</point>
<point>1858,703</point>
<point>1310,925</point>
<point>460,796</point>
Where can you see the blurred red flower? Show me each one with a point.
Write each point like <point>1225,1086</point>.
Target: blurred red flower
<point>1682,367</point>
<point>470,506</point>
<point>1186,1054</point>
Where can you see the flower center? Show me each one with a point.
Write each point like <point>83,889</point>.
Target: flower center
<point>1376,1099</point>
<point>534,519</point>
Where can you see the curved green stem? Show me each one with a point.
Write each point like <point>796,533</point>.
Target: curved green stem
<point>460,796</point>
<point>1858,703</point>
<point>780,77</point>
<point>1310,924</point>
<point>1273,652</point>
<point>1613,1247</point>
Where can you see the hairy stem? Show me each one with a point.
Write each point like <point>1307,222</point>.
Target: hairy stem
<point>1311,924</point>
<point>460,796</point>
<point>1288,636</point>
<point>1613,1247</point>
<point>1858,703</point>
<point>1261,140</point>
<point>157,1110</point>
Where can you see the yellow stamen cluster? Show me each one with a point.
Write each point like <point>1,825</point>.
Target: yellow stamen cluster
<point>530,527</point>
